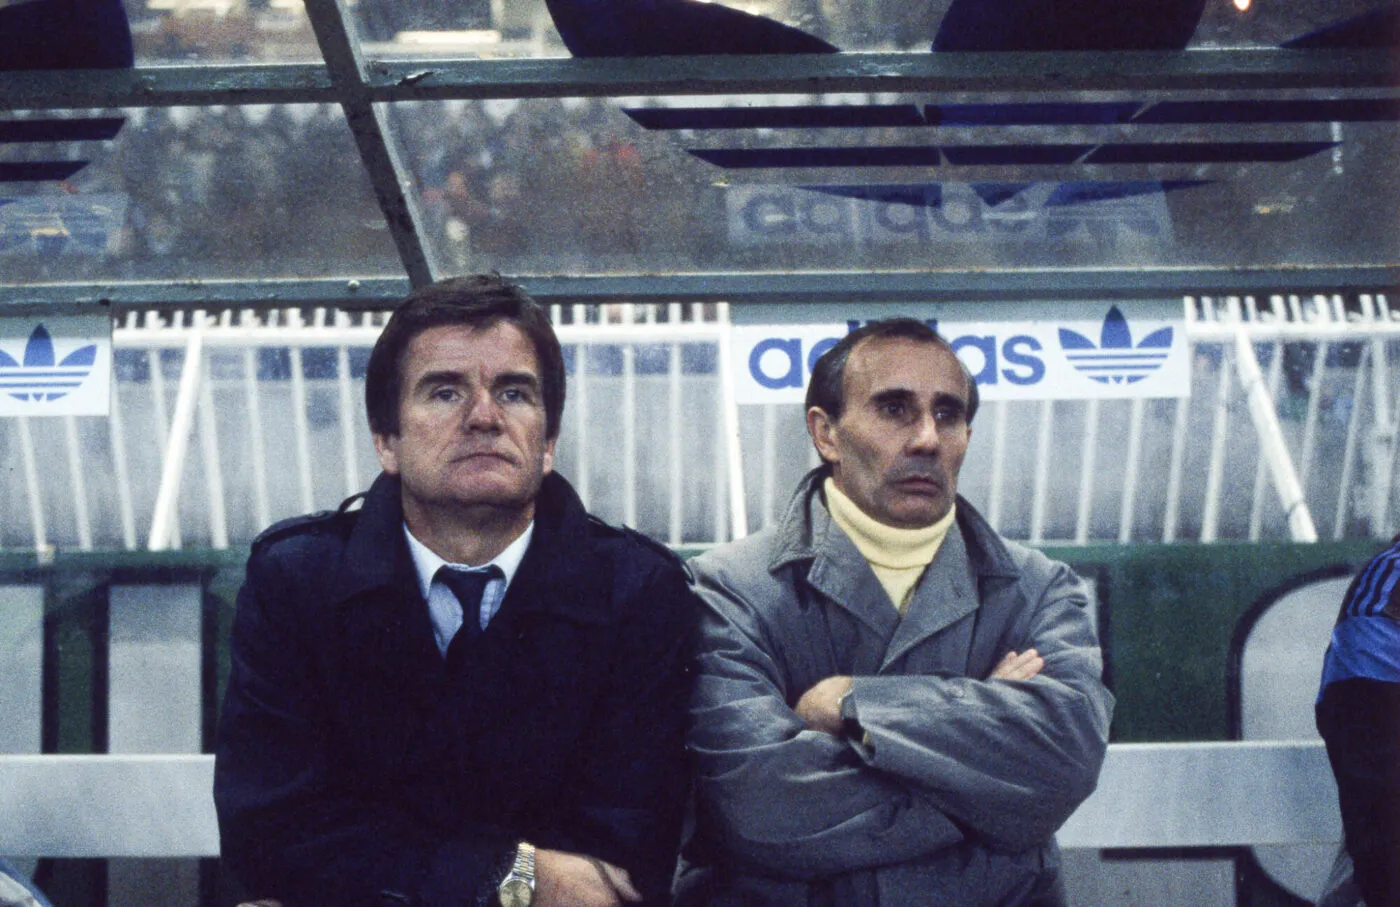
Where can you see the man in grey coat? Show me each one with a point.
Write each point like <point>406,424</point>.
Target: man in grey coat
<point>895,705</point>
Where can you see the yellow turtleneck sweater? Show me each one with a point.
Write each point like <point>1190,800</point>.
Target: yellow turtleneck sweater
<point>898,556</point>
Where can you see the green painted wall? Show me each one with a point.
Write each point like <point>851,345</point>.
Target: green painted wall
<point>1170,612</point>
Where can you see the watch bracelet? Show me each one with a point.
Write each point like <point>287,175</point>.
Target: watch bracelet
<point>524,862</point>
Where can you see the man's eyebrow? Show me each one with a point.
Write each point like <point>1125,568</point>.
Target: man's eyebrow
<point>945,399</point>
<point>440,376</point>
<point>508,379</point>
<point>892,395</point>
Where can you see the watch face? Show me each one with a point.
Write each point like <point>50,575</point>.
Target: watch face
<point>516,893</point>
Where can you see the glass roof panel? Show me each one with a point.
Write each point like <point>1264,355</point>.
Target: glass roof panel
<point>182,193</point>
<point>906,182</point>
<point>165,32</point>
<point>532,28</point>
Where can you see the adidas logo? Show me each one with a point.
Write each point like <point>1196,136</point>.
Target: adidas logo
<point>38,376</point>
<point>1115,359</point>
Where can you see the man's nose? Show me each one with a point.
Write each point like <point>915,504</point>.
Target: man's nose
<point>925,437</point>
<point>483,412</point>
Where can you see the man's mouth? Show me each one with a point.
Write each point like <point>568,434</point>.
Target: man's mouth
<point>920,483</point>
<point>484,455</point>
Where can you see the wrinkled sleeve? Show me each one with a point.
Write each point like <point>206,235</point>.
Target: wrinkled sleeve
<point>286,830</point>
<point>779,798</point>
<point>1008,760</point>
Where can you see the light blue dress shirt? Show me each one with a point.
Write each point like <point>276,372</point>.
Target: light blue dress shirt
<point>443,607</point>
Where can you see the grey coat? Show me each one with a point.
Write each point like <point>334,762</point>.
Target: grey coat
<point>953,792</point>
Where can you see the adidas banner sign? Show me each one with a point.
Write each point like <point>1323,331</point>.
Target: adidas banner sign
<point>56,365</point>
<point>1049,351</point>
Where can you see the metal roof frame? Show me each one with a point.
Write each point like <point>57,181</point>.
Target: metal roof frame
<point>795,287</point>
<point>1270,70</point>
<point>362,86</point>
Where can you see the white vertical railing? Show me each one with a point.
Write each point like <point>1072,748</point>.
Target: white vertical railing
<point>213,468</point>
<point>1171,519</point>
<point>1199,478</point>
<point>1305,459</point>
<point>1349,454</point>
<point>164,534</point>
<point>31,486</point>
<point>120,469</point>
<point>768,488</point>
<point>629,429</point>
<point>256,448</point>
<point>349,415</point>
<point>1042,471</point>
<point>729,408</point>
<point>998,482</point>
<point>1088,450</point>
<point>155,326</point>
<point>75,474</point>
<point>1383,428</point>
<point>1126,512</point>
<point>300,431</point>
<point>1215,472</point>
<point>581,471</point>
<point>1273,448</point>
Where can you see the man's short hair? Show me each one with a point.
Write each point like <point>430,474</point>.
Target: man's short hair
<point>477,302</point>
<point>827,389</point>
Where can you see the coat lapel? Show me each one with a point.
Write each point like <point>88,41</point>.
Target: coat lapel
<point>845,578</point>
<point>555,577</point>
<point>946,594</point>
<point>388,635</point>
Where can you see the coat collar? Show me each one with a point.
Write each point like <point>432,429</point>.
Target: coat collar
<point>948,591</point>
<point>806,530</point>
<point>376,554</point>
<point>555,575</point>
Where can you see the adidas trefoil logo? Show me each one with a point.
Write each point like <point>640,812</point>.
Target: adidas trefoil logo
<point>1115,359</point>
<point>38,377</point>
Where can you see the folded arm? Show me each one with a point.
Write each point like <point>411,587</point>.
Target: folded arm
<point>1010,759</point>
<point>783,798</point>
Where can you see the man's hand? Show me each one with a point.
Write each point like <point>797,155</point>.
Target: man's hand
<point>820,707</point>
<point>565,879</point>
<point>1015,666</point>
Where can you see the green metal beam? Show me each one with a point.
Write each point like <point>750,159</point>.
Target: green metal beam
<point>379,149</point>
<point>992,286</point>
<point>1264,70</point>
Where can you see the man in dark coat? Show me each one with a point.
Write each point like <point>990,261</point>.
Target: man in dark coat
<point>394,733</point>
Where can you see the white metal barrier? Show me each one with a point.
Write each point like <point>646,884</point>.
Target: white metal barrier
<point>1150,795</point>
<point>204,450</point>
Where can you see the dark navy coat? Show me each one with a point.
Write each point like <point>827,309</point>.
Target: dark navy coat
<point>355,765</point>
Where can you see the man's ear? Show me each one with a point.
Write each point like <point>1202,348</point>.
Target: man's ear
<point>549,455</point>
<point>822,428</point>
<point>387,448</point>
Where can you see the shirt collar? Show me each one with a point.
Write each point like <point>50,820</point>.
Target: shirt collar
<point>426,563</point>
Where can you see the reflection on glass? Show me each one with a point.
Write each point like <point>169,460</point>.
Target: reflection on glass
<point>187,193</point>
<point>650,27</point>
<point>220,31</point>
<point>761,183</point>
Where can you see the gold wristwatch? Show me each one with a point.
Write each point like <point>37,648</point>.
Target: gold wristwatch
<point>518,887</point>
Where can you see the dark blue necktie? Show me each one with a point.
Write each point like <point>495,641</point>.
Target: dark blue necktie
<point>468,586</point>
